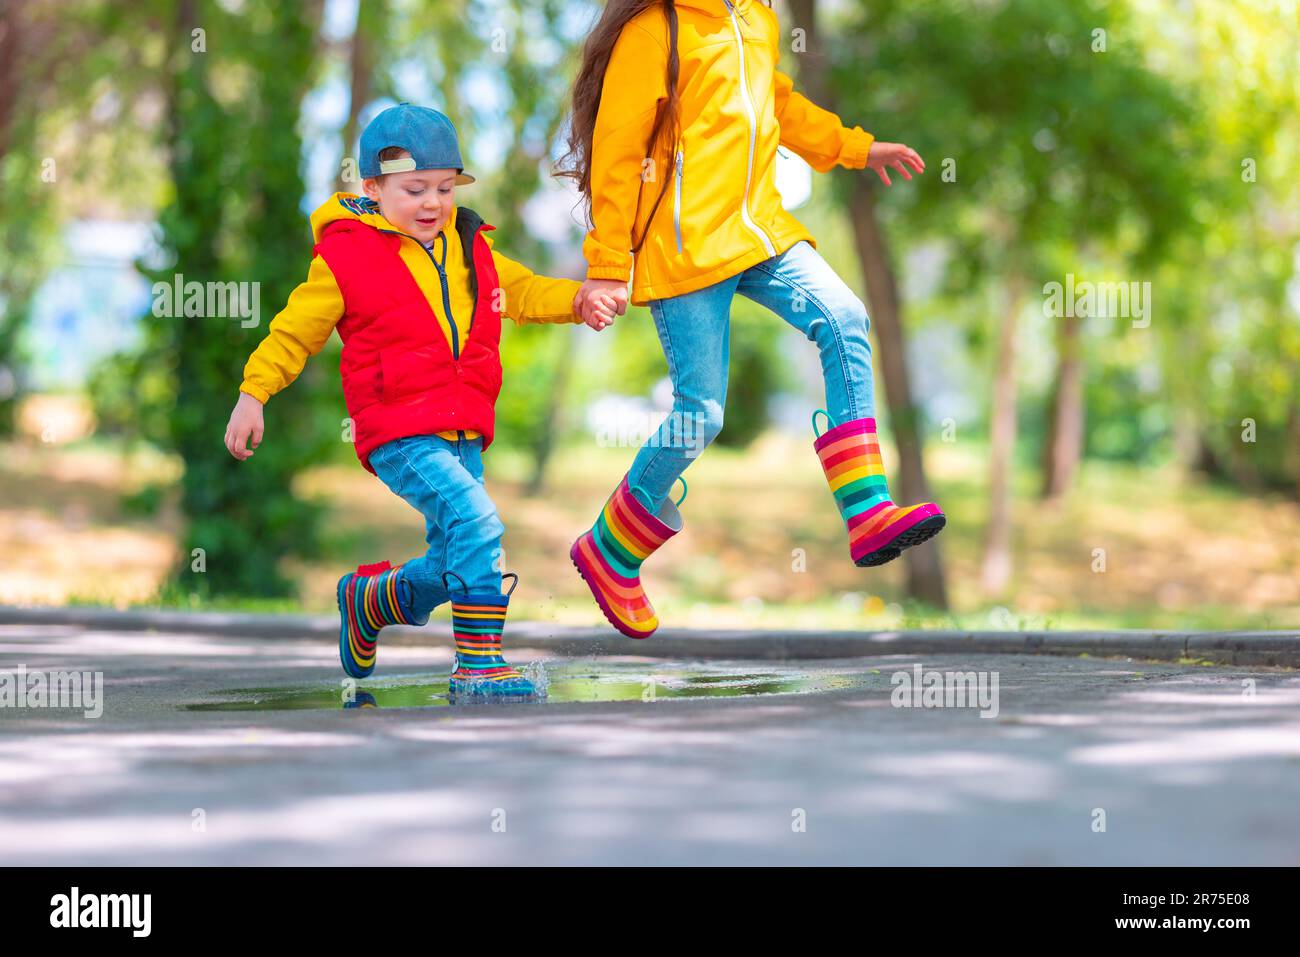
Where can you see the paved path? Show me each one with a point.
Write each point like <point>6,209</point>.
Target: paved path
<point>1188,768</point>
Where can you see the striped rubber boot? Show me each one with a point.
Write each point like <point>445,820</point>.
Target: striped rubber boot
<point>878,529</point>
<point>370,598</point>
<point>477,622</point>
<point>609,557</point>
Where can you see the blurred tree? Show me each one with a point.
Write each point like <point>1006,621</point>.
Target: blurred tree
<point>242,518</point>
<point>366,79</point>
<point>1055,135</point>
<point>833,79</point>
<point>40,90</point>
<point>1229,320</point>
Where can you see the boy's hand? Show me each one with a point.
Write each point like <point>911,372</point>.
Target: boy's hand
<point>600,311</point>
<point>245,421</point>
<point>881,156</point>
<point>598,294</point>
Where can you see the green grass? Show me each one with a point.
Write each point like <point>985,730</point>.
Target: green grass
<point>1181,554</point>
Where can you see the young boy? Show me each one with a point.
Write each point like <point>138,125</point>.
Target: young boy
<point>415,289</point>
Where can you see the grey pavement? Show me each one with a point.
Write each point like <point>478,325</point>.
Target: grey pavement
<point>235,749</point>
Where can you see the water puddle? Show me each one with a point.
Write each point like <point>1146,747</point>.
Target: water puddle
<point>563,682</point>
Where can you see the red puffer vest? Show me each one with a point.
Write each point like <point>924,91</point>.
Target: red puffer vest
<point>400,376</point>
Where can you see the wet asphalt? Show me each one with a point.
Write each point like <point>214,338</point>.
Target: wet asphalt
<point>216,749</point>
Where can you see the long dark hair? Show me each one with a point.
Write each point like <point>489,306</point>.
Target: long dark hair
<point>576,162</point>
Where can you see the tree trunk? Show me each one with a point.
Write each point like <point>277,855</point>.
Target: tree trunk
<point>925,578</point>
<point>371,22</point>
<point>1002,444</point>
<point>1063,445</point>
<point>543,443</point>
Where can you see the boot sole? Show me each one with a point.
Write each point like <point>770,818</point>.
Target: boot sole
<point>921,532</point>
<point>600,600</point>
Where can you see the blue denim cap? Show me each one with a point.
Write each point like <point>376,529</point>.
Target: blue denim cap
<point>426,134</point>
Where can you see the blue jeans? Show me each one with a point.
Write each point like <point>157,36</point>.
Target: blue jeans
<point>694,330</point>
<point>443,481</point>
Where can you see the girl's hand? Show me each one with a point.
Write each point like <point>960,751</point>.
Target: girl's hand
<point>881,156</point>
<point>245,421</point>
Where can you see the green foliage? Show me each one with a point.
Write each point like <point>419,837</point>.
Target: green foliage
<point>756,372</point>
<point>243,515</point>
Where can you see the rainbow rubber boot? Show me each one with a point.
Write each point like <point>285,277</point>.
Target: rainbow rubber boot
<point>609,557</point>
<point>369,599</point>
<point>878,529</point>
<point>481,673</point>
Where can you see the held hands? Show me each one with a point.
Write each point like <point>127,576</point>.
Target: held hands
<point>599,300</point>
<point>245,421</point>
<point>881,156</point>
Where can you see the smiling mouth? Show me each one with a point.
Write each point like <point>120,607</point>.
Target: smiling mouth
<point>426,222</point>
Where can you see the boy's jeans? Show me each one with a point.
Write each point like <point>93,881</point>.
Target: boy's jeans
<point>443,481</point>
<point>694,330</point>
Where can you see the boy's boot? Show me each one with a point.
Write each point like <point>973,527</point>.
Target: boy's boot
<point>370,598</point>
<point>477,621</point>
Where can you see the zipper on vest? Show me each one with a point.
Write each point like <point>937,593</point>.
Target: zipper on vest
<point>446,295</point>
<point>752,116</point>
<point>451,322</point>
<point>442,279</point>
<point>446,298</point>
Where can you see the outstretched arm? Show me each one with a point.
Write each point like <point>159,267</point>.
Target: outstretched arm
<point>820,138</point>
<point>300,330</point>
<point>817,134</point>
<point>529,298</point>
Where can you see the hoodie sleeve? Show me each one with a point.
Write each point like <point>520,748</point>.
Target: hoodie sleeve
<point>299,331</point>
<point>529,298</point>
<point>817,134</point>
<point>629,100</point>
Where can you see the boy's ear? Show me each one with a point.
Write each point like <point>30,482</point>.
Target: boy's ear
<point>371,188</point>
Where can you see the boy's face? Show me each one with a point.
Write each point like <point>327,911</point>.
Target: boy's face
<point>418,202</point>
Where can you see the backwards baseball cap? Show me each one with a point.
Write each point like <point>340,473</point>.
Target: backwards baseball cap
<point>426,134</point>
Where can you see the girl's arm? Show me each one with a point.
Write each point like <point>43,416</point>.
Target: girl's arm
<point>817,134</point>
<point>300,330</point>
<point>819,137</point>
<point>633,86</point>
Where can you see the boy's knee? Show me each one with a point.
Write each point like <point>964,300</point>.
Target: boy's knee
<point>487,525</point>
<point>477,521</point>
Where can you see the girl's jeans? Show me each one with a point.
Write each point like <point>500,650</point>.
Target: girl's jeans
<point>443,481</point>
<point>694,330</point>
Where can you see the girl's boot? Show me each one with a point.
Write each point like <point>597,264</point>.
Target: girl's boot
<point>609,557</point>
<point>477,622</point>
<point>370,598</point>
<point>878,529</point>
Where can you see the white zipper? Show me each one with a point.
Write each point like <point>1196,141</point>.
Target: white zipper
<point>753,134</point>
<point>677,203</point>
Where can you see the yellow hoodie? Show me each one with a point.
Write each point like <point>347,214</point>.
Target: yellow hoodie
<point>303,327</point>
<point>721,212</point>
